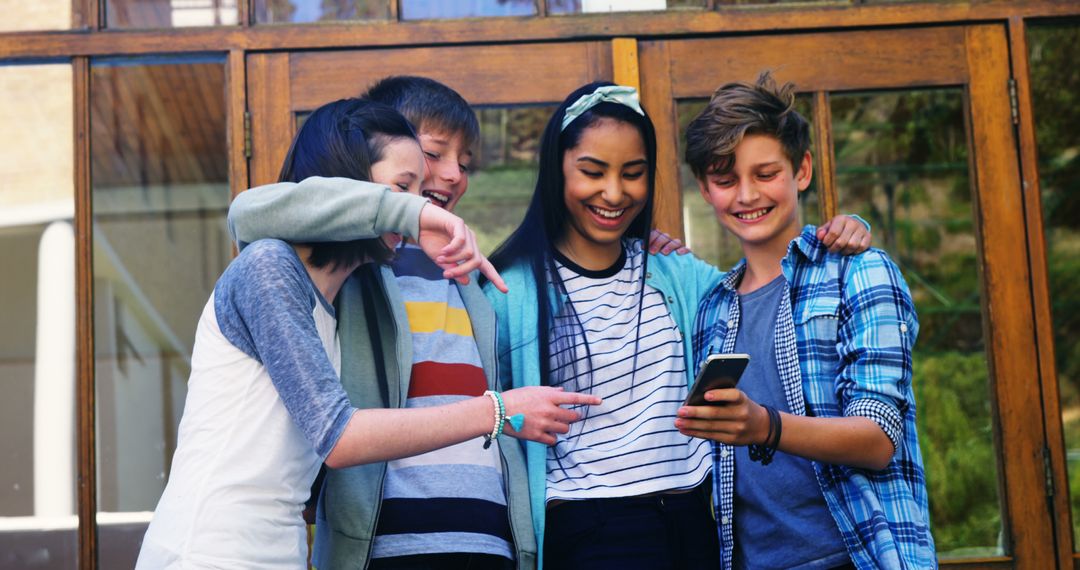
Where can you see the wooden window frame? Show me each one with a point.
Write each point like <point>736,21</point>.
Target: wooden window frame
<point>1036,244</point>
<point>89,38</point>
<point>982,65</point>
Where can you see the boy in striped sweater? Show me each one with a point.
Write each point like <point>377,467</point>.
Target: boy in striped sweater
<point>452,500</point>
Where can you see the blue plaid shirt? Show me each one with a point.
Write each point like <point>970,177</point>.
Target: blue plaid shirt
<point>844,336</point>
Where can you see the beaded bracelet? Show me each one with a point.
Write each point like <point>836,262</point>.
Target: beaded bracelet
<point>517,421</point>
<point>500,417</point>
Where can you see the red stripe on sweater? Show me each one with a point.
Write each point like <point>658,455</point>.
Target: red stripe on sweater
<point>439,379</point>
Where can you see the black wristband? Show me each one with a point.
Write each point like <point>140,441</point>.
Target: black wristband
<point>764,451</point>
<point>774,427</point>
<point>775,444</point>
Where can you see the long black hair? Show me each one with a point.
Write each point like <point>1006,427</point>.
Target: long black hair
<point>546,221</point>
<point>343,139</point>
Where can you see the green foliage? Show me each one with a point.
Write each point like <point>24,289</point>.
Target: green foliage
<point>1055,82</point>
<point>1064,263</point>
<point>902,165</point>
<point>957,446</point>
<point>496,202</point>
<point>503,171</point>
<point>1072,435</point>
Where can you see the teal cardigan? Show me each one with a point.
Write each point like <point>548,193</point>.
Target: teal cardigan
<point>682,279</point>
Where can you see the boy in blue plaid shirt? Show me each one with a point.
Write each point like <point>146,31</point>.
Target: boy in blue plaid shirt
<point>816,459</point>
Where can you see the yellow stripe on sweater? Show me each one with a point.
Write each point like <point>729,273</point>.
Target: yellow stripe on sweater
<point>428,317</point>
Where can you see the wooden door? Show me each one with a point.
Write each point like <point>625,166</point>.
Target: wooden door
<point>977,346</point>
<point>283,85</point>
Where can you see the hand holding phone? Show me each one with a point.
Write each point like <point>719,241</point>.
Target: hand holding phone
<point>718,371</point>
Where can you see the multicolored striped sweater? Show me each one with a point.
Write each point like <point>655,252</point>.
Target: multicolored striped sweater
<point>452,499</point>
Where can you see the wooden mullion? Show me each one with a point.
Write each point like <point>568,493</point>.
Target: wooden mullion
<point>447,32</point>
<point>79,20</point>
<point>87,15</point>
<point>826,157</point>
<point>624,62</point>
<point>272,118</point>
<point>1044,333</point>
<point>395,10</point>
<point>657,98</point>
<point>237,131</point>
<point>541,8</point>
<point>598,60</point>
<point>1008,319</point>
<point>244,15</point>
<point>84,318</point>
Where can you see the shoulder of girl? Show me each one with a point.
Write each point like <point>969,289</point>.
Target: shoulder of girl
<point>676,263</point>
<point>266,249</point>
<point>264,263</point>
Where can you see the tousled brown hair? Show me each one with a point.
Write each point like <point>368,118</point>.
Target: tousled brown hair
<point>738,109</point>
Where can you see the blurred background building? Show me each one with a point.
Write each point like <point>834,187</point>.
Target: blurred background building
<point>126,126</point>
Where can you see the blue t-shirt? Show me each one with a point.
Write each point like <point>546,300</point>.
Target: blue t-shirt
<point>781,519</point>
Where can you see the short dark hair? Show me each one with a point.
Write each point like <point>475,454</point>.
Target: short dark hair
<point>343,139</point>
<point>428,105</point>
<point>738,109</point>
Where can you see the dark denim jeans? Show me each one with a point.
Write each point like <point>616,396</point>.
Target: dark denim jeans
<point>674,531</point>
<point>442,562</point>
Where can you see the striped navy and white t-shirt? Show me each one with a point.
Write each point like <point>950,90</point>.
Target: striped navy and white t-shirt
<point>628,445</point>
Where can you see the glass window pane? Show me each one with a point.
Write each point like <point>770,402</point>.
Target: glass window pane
<point>160,195</point>
<point>440,9</point>
<point>170,13</point>
<point>21,16</point>
<point>593,6</point>
<point>1055,85</point>
<point>304,11</point>
<point>703,233</point>
<point>502,175</point>
<point>38,519</point>
<point>902,163</point>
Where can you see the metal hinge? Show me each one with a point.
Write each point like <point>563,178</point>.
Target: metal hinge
<point>247,134</point>
<point>1014,102</point>
<point>1048,471</point>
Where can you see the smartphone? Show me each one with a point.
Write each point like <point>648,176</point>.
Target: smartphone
<point>718,371</point>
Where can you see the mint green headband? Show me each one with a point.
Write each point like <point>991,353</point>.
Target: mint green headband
<point>620,94</point>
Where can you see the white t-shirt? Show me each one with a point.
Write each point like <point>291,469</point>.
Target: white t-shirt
<point>628,445</point>
<point>264,408</point>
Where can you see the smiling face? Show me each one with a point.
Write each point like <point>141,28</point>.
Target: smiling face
<point>447,176</point>
<point>606,187</point>
<point>401,168</point>
<point>757,200</point>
